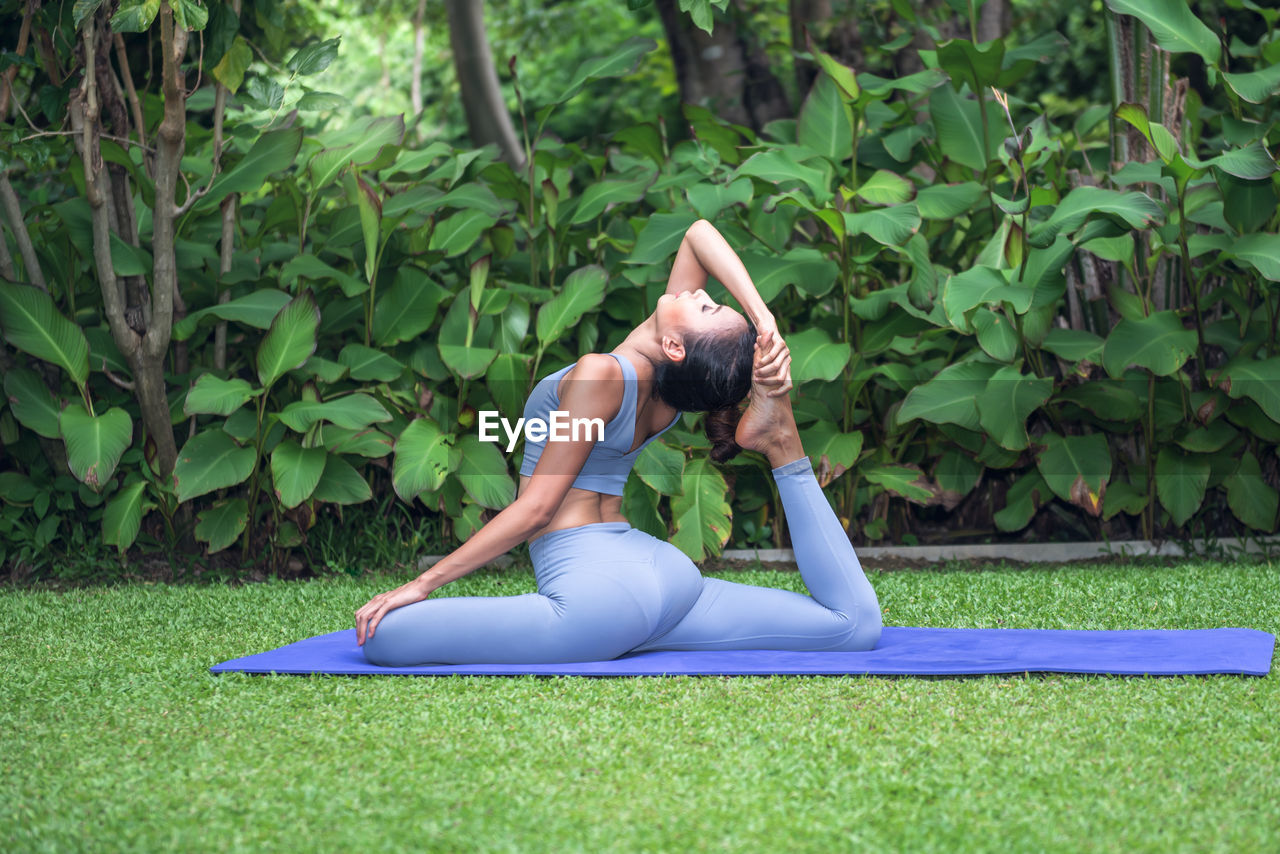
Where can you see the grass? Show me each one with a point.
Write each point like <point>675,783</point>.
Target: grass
<point>115,736</point>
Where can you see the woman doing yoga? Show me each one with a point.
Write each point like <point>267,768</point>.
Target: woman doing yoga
<point>605,588</point>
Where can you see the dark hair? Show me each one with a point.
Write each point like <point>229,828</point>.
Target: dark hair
<point>713,377</point>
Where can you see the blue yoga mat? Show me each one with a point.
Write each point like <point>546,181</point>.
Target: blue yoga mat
<point>902,651</point>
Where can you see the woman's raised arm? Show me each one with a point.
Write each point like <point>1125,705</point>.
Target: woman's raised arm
<point>703,252</point>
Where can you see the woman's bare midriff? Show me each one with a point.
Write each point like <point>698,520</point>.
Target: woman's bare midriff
<point>580,507</point>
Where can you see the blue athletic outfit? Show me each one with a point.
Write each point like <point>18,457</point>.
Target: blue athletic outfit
<point>606,589</point>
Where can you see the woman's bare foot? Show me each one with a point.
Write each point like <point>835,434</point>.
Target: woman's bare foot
<point>768,426</point>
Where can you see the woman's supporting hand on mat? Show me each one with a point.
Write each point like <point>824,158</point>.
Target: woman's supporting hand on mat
<point>372,612</point>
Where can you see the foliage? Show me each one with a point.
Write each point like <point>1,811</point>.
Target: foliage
<point>989,325</point>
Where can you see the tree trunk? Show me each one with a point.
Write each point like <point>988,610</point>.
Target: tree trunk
<point>721,71</point>
<point>993,20</point>
<point>488,120</point>
<point>419,46</point>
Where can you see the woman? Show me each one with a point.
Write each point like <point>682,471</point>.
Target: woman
<point>605,588</point>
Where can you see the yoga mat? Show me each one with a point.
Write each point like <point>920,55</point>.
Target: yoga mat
<point>902,651</point>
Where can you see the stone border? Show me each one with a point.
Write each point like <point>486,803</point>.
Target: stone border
<point>1020,552</point>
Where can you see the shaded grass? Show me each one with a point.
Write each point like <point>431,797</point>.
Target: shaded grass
<point>115,736</point>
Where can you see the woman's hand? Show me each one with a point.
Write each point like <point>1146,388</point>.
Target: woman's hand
<point>372,612</point>
<point>772,367</point>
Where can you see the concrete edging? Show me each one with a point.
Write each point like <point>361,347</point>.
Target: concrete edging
<point>1021,552</point>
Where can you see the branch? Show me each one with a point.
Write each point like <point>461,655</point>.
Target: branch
<point>135,105</point>
<point>19,228</point>
<point>124,384</point>
<point>25,33</point>
<point>145,148</point>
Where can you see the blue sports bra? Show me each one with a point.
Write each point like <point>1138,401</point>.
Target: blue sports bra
<point>609,464</point>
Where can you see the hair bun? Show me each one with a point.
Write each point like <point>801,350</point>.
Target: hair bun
<point>721,425</point>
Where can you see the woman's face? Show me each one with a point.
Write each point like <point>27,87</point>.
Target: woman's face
<point>696,313</point>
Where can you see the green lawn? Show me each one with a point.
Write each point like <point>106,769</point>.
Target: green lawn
<point>115,736</point>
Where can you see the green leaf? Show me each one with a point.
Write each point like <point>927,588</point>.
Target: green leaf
<point>222,524</point>
<point>290,340</point>
<point>825,124</point>
<point>134,16</point>
<point>1076,468</point>
<point>314,58</point>
<point>483,473</point>
<point>1158,343</point>
<point>904,481</point>
<point>360,142</point>
<point>814,356</point>
<point>351,411</point>
<point>1105,399</point>
<point>957,122</point>
<point>661,468</point>
<point>602,194</point>
<point>1024,498</point>
<point>1250,497</point>
<point>83,9</point>
<point>366,442</point>
<point>886,188</point>
<point>661,236</point>
<point>891,226</point>
<point>977,65</point>
<point>1260,251</point>
<point>703,520</point>
<point>295,471</point>
<point>1257,380</point>
<point>231,68</point>
<point>213,396</point>
<point>811,272</point>
<point>459,232</point>
<point>950,397</point>
<point>835,452</point>
<point>582,291</point>
<point>778,167</point>
<point>1250,162</point>
<point>1176,29</point>
<point>208,461</point>
<point>31,323</point>
<point>94,444</point>
<point>709,199</point>
<point>1180,482</point>
<point>256,309</point>
<point>31,402</point>
<point>122,517</point>
<point>1073,345</point>
<point>1255,86</point>
<point>1008,400</point>
<point>1137,210</point>
<point>272,152</point>
<point>421,461</point>
<point>189,15</point>
<point>366,363</point>
<point>341,483</point>
<point>996,335</point>
<point>623,60</point>
<point>1123,497</point>
<point>408,307</point>
<point>948,201</point>
<point>976,286</point>
<point>310,267</point>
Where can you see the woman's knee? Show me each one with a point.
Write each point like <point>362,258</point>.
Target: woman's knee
<point>865,632</point>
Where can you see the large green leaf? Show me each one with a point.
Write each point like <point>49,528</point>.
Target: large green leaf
<point>703,520</point>
<point>810,271</point>
<point>208,461</point>
<point>272,152</point>
<point>408,307</point>
<point>31,322</point>
<point>360,142</point>
<point>886,188</point>
<point>776,166</point>
<point>291,339</point>
<point>1076,468</point>
<point>222,524</point>
<point>366,363</point>
<point>709,199</point>
<point>256,309</point>
<point>483,473</point>
<point>1173,24</point>
<point>508,380</point>
<point>351,411</point>
<point>134,16</point>
<point>458,345</point>
<point>459,232</point>
<point>947,201</point>
<point>903,480</point>
<point>603,194</point>
<point>295,471</point>
<point>95,443</point>
<point>213,396</point>
<point>814,356</point>
<point>583,290</point>
<point>661,237</point>
<point>1257,380</point>
<point>421,461</point>
<point>1137,210</point>
<point>892,226</point>
<point>1260,251</point>
<point>620,62</point>
<point>341,483</point>
<point>308,266</point>
<point>996,335</point>
<point>122,517</point>
<point>1024,498</point>
<point>1256,86</point>
<point>978,66</point>
<point>1250,497</point>
<point>957,122</point>
<point>31,402</point>
<point>1180,482</point>
<point>824,123</point>
<point>976,286</point>
<point>661,467</point>
<point>1008,400</point>
<point>950,397</point>
<point>1158,343</point>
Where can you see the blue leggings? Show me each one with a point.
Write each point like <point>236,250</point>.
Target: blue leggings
<point>606,589</point>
